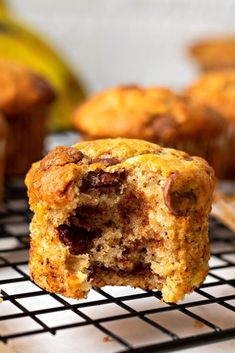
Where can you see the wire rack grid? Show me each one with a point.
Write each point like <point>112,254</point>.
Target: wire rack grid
<point>206,316</point>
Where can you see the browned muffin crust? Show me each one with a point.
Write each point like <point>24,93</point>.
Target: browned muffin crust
<point>119,212</point>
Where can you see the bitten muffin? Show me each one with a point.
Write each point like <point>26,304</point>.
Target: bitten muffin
<point>217,91</point>
<point>119,212</point>
<point>214,53</point>
<point>25,100</point>
<point>157,115</point>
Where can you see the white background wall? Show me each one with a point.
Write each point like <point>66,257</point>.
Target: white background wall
<point>118,41</point>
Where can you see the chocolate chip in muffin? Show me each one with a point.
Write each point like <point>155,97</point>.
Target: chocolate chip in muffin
<point>77,239</point>
<point>142,268</point>
<point>188,159</point>
<point>164,125</point>
<point>107,161</point>
<point>139,269</point>
<point>103,181</point>
<point>179,202</point>
<point>86,216</point>
<point>132,204</point>
<point>61,156</point>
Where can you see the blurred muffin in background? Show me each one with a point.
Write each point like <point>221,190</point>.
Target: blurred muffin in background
<point>3,140</point>
<point>25,101</point>
<point>216,90</point>
<point>216,53</point>
<point>23,44</point>
<point>157,115</point>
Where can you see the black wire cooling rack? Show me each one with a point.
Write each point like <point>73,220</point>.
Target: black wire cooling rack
<point>134,319</point>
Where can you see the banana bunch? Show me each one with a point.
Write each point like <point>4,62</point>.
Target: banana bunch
<point>18,43</point>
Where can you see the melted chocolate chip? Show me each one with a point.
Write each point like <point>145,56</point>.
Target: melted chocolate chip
<point>77,239</point>
<point>103,181</point>
<point>139,270</point>
<point>142,269</point>
<point>107,161</point>
<point>133,247</point>
<point>88,211</point>
<point>178,200</point>
<point>86,216</point>
<point>188,159</point>
<point>133,205</point>
<point>164,126</point>
<point>60,156</point>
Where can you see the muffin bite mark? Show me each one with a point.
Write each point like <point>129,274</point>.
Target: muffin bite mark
<point>106,228</point>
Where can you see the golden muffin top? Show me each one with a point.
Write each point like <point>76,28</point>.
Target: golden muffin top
<point>214,53</point>
<point>65,171</point>
<point>215,90</point>
<point>21,89</point>
<point>153,114</point>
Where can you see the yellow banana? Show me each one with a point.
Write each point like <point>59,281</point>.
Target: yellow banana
<point>18,43</point>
